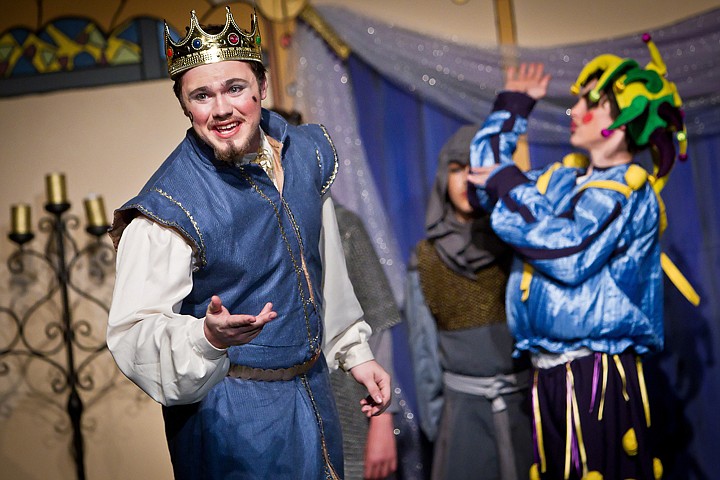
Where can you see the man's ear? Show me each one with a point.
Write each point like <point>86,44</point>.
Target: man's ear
<point>263,89</point>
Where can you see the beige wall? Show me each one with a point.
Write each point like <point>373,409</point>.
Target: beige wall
<point>557,22</point>
<point>106,140</point>
<point>109,140</point>
<point>538,22</point>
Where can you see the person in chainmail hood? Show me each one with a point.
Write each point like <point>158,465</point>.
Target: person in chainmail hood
<point>472,394</point>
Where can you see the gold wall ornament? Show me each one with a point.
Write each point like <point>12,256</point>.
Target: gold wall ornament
<point>326,31</point>
<point>281,10</point>
<point>280,16</point>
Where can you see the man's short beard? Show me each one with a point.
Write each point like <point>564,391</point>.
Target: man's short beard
<point>231,154</point>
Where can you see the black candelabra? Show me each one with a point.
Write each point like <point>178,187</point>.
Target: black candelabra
<point>67,345</point>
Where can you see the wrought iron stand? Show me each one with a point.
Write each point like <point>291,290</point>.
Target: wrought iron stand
<point>65,337</point>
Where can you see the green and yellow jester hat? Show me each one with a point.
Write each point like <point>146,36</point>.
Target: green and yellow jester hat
<point>649,104</point>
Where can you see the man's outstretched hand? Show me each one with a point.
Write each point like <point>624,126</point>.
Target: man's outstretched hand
<point>377,382</point>
<point>223,330</point>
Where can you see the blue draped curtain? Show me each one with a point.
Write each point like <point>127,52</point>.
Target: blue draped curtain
<point>402,134</point>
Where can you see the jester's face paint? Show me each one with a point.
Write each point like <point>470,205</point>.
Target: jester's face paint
<point>587,121</point>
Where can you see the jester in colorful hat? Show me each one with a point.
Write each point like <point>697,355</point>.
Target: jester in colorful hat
<point>586,289</point>
<point>232,296</point>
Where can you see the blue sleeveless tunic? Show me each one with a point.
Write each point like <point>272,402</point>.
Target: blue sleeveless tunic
<point>249,242</point>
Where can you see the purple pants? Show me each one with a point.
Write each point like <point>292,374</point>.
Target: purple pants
<point>592,415</point>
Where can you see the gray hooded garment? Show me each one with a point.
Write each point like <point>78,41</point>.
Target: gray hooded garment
<point>464,247</point>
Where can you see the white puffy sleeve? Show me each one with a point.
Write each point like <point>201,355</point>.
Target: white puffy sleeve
<point>165,353</point>
<point>345,342</point>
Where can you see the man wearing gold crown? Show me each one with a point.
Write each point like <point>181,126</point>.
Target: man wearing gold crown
<point>224,259</point>
<point>585,293</point>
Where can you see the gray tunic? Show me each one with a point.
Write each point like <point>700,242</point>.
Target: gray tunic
<point>475,344</point>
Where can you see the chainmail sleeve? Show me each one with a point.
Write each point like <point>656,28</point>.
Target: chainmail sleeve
<point>366,274</point>
<point>372,290</point>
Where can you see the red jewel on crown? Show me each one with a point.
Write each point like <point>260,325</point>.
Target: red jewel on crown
<point>169,53</point>
<point>233,38</point>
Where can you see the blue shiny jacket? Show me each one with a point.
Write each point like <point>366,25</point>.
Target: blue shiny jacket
<point>587,271</point>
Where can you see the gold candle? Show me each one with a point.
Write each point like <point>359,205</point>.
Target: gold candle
<point>55,188</point>
<point>95,211</point>
<point>20,215</point>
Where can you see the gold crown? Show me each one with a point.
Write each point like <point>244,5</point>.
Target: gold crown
<point>200,48</point>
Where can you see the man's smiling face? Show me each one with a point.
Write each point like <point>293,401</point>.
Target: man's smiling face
<point>223,102</point>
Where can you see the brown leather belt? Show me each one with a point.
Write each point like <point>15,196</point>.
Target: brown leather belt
<point>271,374</point>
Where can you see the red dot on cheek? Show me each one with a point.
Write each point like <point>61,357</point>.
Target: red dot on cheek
<point>587,118</point>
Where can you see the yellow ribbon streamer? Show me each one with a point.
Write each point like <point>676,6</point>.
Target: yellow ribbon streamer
<point>604,386</point>
<point>643,390</point>
<point>578,428</point>
<point>679,280</point>
<point>621,371</point>
<point>538,423</point>
<point>568,420</point>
